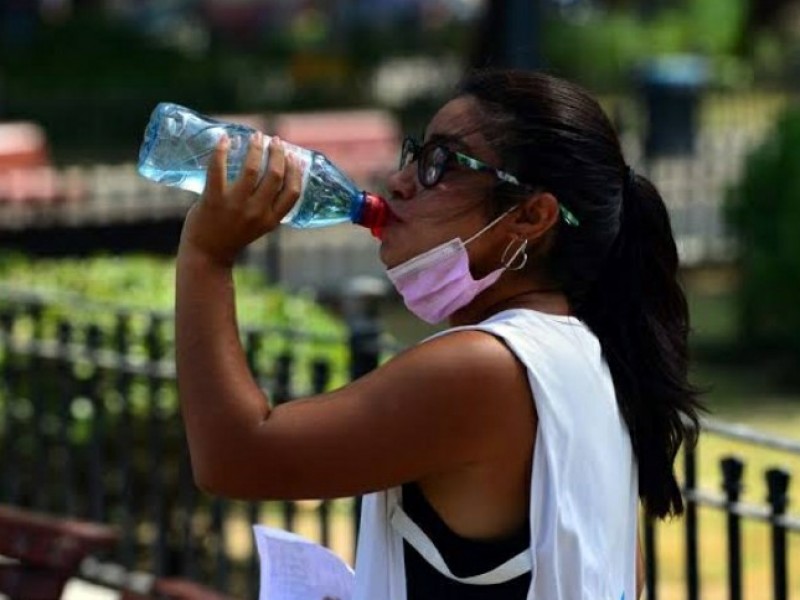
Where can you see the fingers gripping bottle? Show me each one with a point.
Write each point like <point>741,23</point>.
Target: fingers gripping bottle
<point>179,143</point>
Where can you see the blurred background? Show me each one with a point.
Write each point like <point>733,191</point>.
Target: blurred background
<point>703,93</point>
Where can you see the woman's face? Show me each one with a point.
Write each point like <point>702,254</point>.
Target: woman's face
<point>455,207</point>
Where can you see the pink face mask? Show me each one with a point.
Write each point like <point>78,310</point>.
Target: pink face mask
<point>437,283</point>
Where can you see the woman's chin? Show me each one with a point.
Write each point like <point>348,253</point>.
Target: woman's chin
<point>385,255</point>
<point>392,254</point>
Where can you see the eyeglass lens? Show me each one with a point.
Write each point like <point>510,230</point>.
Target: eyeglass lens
<point>408,153</point>
<point>430,160</point>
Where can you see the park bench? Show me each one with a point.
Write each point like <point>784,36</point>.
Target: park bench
<point>42,553</point>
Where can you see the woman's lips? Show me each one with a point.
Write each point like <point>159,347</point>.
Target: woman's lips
<point>392,216</point>
<point>393,220</point>
<point>390,225</point>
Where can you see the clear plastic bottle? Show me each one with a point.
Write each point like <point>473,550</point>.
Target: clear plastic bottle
<point>178,145</point>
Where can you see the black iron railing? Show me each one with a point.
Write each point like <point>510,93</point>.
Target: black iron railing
<point>90,428</point>
<point>728,501</point>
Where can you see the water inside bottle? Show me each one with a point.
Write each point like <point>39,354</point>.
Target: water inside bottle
<point>193,181</point>
<point>330,197</point>
<point>179,143</point>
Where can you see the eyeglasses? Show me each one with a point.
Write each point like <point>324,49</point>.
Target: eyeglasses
<point>433,158</point>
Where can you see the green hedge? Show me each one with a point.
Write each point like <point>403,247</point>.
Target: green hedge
<point>145,282</point>
<point>764,213</point>
<point>605,48</point>
<point>92,291</point>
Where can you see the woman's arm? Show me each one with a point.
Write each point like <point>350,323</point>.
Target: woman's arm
<point>449,402</point>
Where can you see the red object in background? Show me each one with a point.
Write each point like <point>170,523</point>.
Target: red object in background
<point>365,144</point>
<point>22,145</point>
<point>26,173</point>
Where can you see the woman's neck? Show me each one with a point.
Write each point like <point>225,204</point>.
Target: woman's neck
<point>541,295</point>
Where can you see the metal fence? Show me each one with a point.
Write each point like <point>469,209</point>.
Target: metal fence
<point>728,501</point>
<point>89,428</point>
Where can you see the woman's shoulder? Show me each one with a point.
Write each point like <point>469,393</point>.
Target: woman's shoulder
<point>466,361</point>
<point>469,345</point>
<point>523,322</point>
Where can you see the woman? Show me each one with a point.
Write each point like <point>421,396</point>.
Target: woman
<point>504,458</point>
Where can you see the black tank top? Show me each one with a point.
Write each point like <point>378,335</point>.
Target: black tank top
<point>464,557</point>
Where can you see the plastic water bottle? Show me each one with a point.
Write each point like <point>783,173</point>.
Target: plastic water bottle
<point>179,143</point>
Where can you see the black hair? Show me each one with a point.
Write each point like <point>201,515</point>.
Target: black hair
<point>618,268</point>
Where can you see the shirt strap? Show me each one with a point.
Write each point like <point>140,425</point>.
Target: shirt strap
<point>411,532</point>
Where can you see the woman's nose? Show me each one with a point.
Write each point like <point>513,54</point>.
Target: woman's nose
<point>402,184</point>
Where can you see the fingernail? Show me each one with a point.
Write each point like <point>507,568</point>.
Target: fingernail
<point>277,140</point>
<point>224,142</point>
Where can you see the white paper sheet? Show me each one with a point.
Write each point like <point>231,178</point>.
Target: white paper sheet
<point>294,568</point>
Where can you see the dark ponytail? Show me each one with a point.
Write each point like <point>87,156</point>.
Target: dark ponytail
<point>638,311</point>
<point>618,268</point>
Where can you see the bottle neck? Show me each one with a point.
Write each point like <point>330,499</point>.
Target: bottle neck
<point>372,213</point>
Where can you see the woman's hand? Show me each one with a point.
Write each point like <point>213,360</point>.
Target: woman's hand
<point>228,217</point>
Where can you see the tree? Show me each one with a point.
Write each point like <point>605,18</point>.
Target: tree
<point>764,13</point>
<point>509,35</point>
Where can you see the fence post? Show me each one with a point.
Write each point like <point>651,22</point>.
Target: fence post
<point>732,471</point>
<point>692,578</point>
<point>40,479</point>
<point>651,564</point>
<point>283,393</point>
<point>365,334</point>
<point>154,345</point>
<point>320,376</point>
<point>66,382</point>
<point>361,299</point>
<point>253,340</point>
<point>283,379</point>
<point>219,511</point>
<point>124,383</point>
<point>778,484</point>
<point>6,372</point>
<point>94,341</point>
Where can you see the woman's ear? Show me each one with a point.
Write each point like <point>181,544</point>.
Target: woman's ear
<point>538,214</point>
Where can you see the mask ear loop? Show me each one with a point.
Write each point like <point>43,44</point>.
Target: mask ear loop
<point>520,255</point>
<point>492,224</point>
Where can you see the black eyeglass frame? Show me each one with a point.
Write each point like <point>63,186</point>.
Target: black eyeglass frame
<point>429,175</point>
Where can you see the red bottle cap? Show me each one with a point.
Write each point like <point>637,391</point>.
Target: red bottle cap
<point>375,214</point>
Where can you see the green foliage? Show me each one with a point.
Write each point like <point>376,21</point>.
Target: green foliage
<point>764,212</point>
<point>715,26</point>
<point>598,51</point>
<point>92,53</point>
<point>147,283</point>
<point>115,399</point>
<point>605,48</point>
<point>92,291</point>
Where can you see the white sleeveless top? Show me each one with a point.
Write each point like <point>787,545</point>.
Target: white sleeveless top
<point>584,487</point>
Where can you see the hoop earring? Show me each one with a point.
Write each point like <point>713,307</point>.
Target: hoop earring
<point>519,256</point>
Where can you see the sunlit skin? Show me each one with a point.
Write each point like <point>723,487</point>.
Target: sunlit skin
<point>454,414</point>
<point>458,207</point>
